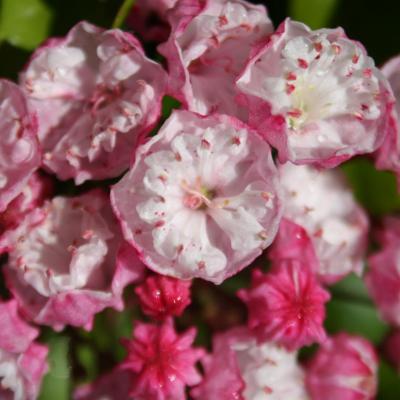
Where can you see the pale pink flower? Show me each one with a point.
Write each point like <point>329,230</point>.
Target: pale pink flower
<point>241,369</point>
<point>209,44</point>
<point>97,96</point>
<point>388,155</point>
<point>392,349</point>
<point>161,296</point>
<point>203,198</point>
<point>316,95</point>
<point>286,305</point>
<point>344,368</point>
<point>19,149</point>
<point>114,385</point>
<point>383,276</point>
<point>149,19</point>
<point>33,195</point>
<point>68,261</point>
<point>22,361</point>
<point>322,203</point>
<point>163,361</point>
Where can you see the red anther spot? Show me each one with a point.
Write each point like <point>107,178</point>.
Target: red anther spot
<point>291,76</point>
<point>236,140</point>
<point>247,27</point>
<point>178,157</point>
<point>318,233</point>
<point>336,48</point>
<point>201,264</point>
<point>355,59</point>
<point>223,20</point>
<point>162,178</point>
<point>265,195</point>
<point>267,390</point>
<point>367,72</point>
<point>159,224</point>
<point>290,88</point>
<point>302,63</point>
<point>318,46</point>
<point>364,107</point>
<point>179,249</point>
<point>295,113</point>
<point>138,231</point>
<point>205,144</point>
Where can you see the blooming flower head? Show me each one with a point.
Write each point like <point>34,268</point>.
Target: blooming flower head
<point>286,305</point>
<point>96,95</point>
<point>68,261</point>
<point>321,96</point>
<point>345,367</point>
<point>162,296</point>
<point>19,150</point>
<point>163,361</point>
<point>388,155</point>
<point>241,369</point>
<point>22,361</point>
<point>208,47</point>
<point>321,202</point>
<point>202,199</point>
<point>383,276</point>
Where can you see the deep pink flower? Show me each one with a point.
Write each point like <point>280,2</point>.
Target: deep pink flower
<point>33,194</point>
<point>392,349</point>
<point>388,155</point>
<point>321,202</point>
<point>203,198</point>
<point>22,361</point>
<point>344,368</point>
<point>20,155</point>
<point>208,47</point>
<point>163,361</point>
<point>161,296</point>
<point>286,305</point>
<point>316,95</point>
<point>383,276</point>
<point>242,369</point>
<point>114,385</point>
<point>97,96</point>
<point>68,261</point>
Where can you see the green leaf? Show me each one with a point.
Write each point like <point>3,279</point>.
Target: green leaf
<point>389,383</point>
<point>168,105</point>
<point>375,190</point>
<point>355,318</point>
<point>315,13</point>
<point>25,23</point>
<point>57,383</point>
<point>351,288</point>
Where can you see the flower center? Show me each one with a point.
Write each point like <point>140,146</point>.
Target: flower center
<point>197,196</point>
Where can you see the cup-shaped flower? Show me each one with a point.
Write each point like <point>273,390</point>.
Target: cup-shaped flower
<point>345,367</point>
<point>162,360</point>
<point>202,199</point>
<point>22,361</point>
<point>208,47</point>
<point>322,203</point>
<point>286,305</point>
<point>96,95</point>
<point>316,95</point>
<point>20,155</point>
<point>68,261</point>
<point>242,369</point>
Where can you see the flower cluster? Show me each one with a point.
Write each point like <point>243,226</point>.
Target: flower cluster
<point>245,171</point>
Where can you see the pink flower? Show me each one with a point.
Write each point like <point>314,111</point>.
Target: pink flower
<point>321,202</point>
<point>97,96</point>
<point>114,385</point>
<point>208,47</point>
<point>22,361</point>
<point>19,151</point>
<point>286,305</point>
<point>67,261</point>
<point>383,276</point>
<point>163,361</point>
<point>161,296</point>
<point>34,193</point>
<point>316,95</point>
<point>392,349</point>
<point>148,18</point>
<point>388,155</point>
<point>241,369</point>
<point>344,368</point>
<point>202,199</point>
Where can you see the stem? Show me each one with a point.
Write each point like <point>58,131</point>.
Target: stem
<point>123,13</point>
